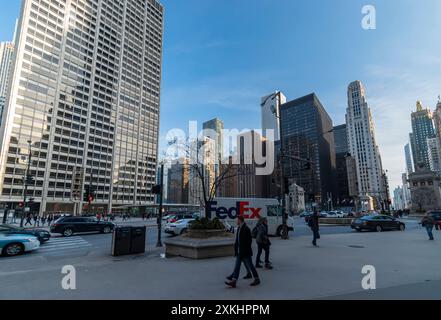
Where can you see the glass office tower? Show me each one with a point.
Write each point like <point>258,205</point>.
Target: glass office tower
<point>84,103</point>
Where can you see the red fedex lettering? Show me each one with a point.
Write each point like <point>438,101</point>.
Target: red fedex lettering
<point>243,209</point>
<point>255,213</point>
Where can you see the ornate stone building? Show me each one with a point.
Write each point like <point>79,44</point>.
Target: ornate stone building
<point>425,189</point>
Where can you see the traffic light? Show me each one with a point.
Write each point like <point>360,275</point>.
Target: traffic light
<point>31,200</point>
<point>86,193</point>
<point>30,179</point>
<point>21,205</point>
<point>89,193</point>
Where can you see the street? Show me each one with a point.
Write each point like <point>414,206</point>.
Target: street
<point>333,270</point>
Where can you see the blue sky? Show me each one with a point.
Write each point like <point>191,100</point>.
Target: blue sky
<point>220,57</point>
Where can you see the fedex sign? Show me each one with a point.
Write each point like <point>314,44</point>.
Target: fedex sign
<point>242,208</point>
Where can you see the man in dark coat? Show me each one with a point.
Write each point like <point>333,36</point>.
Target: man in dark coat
<point>263,243</point>
<point>243,253</point>
<point>314,225</point>
<point>428,223</point>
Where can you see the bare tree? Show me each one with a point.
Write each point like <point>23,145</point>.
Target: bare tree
<point>202,166</point>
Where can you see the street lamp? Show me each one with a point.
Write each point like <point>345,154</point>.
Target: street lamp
<point>277,113</point>
<point>27,180</point>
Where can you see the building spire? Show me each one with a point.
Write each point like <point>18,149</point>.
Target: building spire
<point>419,106</point>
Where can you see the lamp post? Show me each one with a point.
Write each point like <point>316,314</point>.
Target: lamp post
<point>27,179</point>
<point>277,113</point>
<point>160,191</point>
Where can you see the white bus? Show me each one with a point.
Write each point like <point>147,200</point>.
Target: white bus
<point>228,209</point>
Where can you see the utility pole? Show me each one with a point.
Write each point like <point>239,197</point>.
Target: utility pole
<point>27,179</point>
<point>278,114</point>
<point>161,194</point>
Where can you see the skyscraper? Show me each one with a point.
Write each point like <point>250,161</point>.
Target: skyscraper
<point>270,117</point>
<point>422,128</point>
<point>433,154</point>
<point>85,95</point>
<point>363,146</point>
<point>408,156</point>
<point>7,50</point>
<point>214,130</point>
<point>341,152</point>
<point>307,134</point>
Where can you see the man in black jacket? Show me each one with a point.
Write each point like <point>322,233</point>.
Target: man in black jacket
<point>243,253</point>
<point>315,226</point>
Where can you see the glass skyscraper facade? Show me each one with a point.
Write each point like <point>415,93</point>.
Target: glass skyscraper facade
<point>306,131</point>
<point>85,98</point>
<point>422,129</point>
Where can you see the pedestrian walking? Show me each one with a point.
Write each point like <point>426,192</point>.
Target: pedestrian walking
<point>263,243</point>
<point>36,220</point>
<point>313,223</point>
<point>43,220</point>
<point>243,253</point>
<point>428,222</point>
<point>49,220</point>
<point>28,220</point>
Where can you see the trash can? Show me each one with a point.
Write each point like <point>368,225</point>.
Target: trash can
<point>137,245</point>
<point>121,241</point>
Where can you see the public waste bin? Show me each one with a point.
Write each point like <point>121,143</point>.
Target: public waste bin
<point>128,240</point>
<point>137,245</point>
<point>121,241</point>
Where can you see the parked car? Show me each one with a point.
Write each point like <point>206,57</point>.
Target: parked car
<point>437,217</point>
<point>16,244</point>
<point>305,214</point>
<point>68,226</point>
<point>41,234</point>
<point>180,216</point>
<point>179,227</point>
<point>377,223</point>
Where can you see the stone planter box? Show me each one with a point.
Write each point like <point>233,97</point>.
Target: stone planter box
<point>200,248</point>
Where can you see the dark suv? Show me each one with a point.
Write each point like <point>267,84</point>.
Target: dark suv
<point>68,226</point>
<point>437,217</point>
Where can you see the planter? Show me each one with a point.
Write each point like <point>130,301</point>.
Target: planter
<point>201,248</point>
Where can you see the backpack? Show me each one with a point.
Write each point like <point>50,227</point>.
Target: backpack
<point>254,233</point>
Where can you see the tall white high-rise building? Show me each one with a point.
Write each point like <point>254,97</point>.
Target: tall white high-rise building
<point>84,98</point>
<point>270,114</point>
<point>7,50</point>
<point>202,169</point>
<point>363,146</point>
<point>434,156</point>
<point>408,156</point>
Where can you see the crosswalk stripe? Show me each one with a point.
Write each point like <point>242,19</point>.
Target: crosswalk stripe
<point>64,244</point>
<point>65,248</point>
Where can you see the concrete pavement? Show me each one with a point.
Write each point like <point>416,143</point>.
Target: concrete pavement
<point>404,262</point>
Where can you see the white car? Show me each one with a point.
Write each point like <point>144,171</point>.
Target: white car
<point>16,244</point>
<point>179,227</point>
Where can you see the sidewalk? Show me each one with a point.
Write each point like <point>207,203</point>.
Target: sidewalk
<point>301,271</point>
